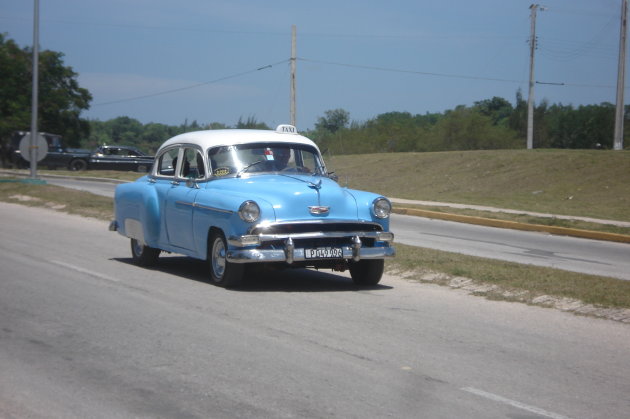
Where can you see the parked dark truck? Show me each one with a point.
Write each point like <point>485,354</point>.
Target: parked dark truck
<point>58,155</point>
<point>105,157</point>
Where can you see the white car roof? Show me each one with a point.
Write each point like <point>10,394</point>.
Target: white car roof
<point>220,137</point>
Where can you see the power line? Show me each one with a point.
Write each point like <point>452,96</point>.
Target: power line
<point>364,67</point>
<point>192,86</point>
<point>569,50</point>
<point>423,73</point>
<point>465,77</point>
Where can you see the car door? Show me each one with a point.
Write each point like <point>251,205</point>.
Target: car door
<point>181,197</point>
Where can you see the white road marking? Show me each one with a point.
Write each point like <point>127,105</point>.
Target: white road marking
<point>84,271</point>
<point>514,403</point>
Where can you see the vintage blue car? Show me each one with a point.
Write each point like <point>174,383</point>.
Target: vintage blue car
<point>238,197</point>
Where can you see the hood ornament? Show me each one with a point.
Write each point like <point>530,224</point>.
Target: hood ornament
<point>315,185</point>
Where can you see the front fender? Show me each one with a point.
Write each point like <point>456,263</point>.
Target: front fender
<point>214,210</point>
<point>365,211</point>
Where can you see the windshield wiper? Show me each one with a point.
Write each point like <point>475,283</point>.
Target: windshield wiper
<point>240,172</point>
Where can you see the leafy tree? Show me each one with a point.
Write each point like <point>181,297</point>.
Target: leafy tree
<point>542,138</point>
<point>517,121</point>
<point>61,99</point>
<point>250,123</point>
<point>15,93</point>
<point>497,108</point>
<point>333,121</point>
<point>216,125</point>
<point>125,130</point>
<point>468,129</point>
<point>589,126</point>
<point>398,131</point>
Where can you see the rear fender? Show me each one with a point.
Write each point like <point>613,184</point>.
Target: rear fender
<point>137,212</point>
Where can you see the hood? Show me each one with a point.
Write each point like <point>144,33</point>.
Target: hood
<point>292,195</point>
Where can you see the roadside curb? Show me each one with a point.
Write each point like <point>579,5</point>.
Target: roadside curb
<point>488,222</point>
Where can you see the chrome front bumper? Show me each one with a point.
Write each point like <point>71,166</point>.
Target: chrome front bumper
<point>290,253</point>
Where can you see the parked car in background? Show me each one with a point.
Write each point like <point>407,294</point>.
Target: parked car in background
<point>244,197</point>
<point>58,155</point>
<point>105,157</point>
<point>116,157</point>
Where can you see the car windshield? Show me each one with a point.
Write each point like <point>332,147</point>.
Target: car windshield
<point>236,160</point>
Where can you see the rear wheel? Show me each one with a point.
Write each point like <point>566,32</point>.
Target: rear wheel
<point>367,271</point>
<point>222,272</point>
<point>142,254</point>
<point>77,165</point>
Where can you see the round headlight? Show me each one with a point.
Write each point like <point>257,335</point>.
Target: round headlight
<point>249,211</point>
<point>382,207</point>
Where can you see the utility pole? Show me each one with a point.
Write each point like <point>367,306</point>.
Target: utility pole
<point>530,97</point>
<point>293,65</point>
<point>35,92</point>
<point>621,75</point>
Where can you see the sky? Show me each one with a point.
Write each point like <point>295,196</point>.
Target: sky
<point>175,62</point>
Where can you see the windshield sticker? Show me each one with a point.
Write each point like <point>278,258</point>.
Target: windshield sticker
<point>269,154</point>
<point>221,171</point>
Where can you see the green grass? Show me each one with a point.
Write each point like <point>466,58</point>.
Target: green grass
<point>58,198</point>
<point>523,282</point>
<point>588,183</point>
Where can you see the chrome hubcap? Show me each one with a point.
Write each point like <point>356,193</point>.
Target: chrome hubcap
<point>218,258</point>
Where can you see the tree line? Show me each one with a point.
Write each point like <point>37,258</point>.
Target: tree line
<point>487,124</point>
<point>148,137</point>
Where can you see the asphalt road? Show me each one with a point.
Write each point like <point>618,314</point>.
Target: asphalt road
<point>541,249</point>
<point>569,253</point>
<point>85,333</point>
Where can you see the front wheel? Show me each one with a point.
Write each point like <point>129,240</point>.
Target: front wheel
<point>367,271</point>
<point>222,272</point>
<point>142,254</point>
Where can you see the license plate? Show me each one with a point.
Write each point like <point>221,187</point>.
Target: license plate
<point>324,253</point>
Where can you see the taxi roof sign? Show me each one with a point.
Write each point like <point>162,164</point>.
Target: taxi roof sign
<point>286,129</point>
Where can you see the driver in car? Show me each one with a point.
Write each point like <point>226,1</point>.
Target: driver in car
<point>281,158</point>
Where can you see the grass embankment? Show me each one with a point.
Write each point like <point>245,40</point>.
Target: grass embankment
<point>581,183</point>
<point>58,198</point>
<point>507,280</point>
<point>587,183</point>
